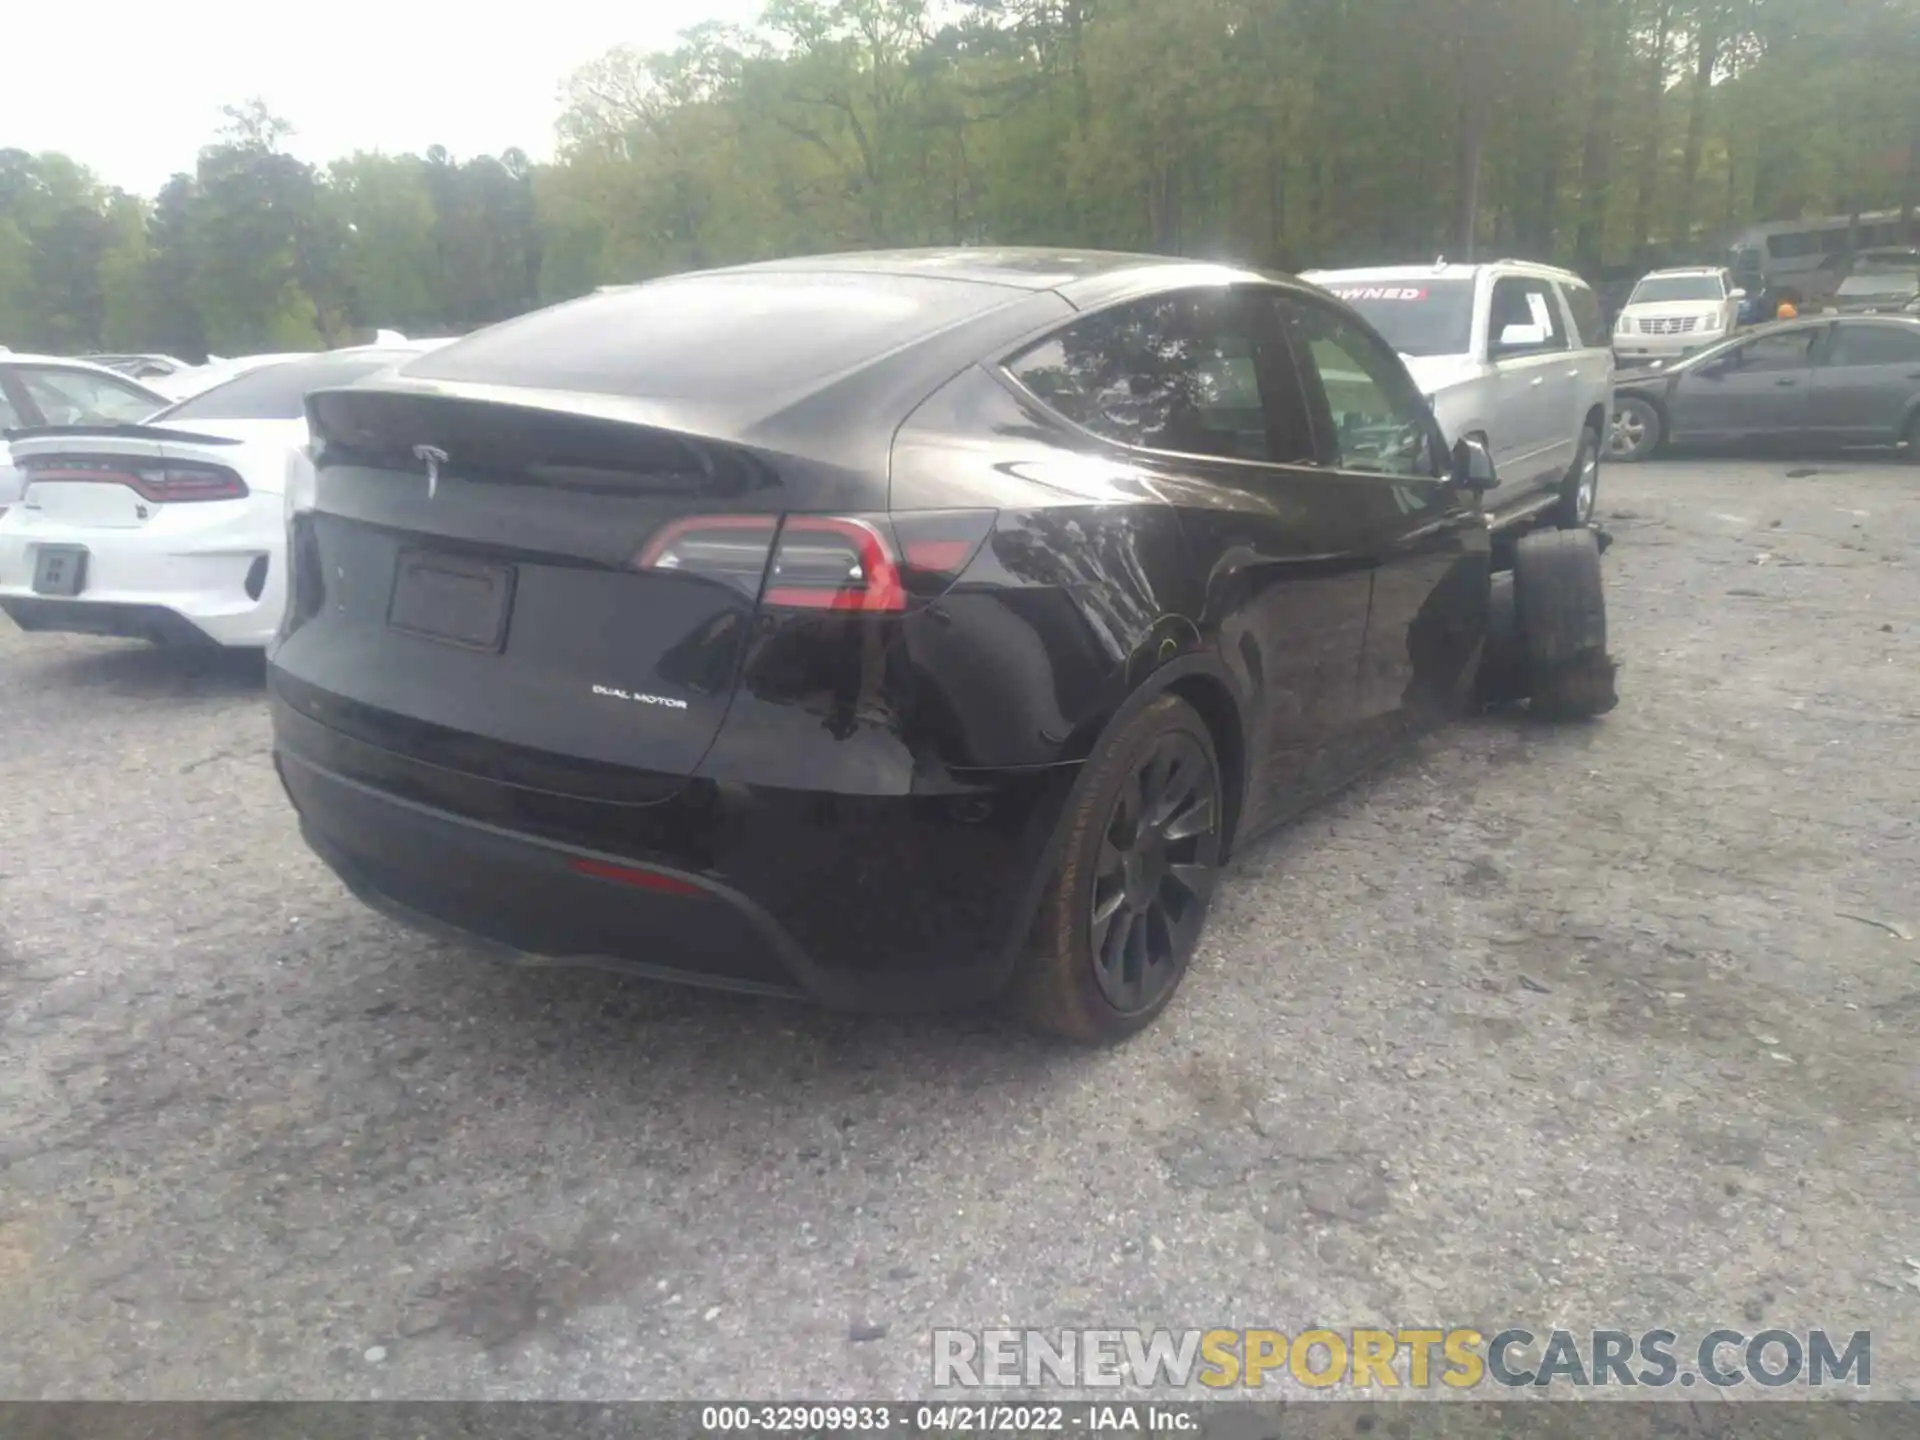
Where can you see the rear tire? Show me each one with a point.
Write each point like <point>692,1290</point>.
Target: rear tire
<point>1562,607</point>
<point>1502,679</point>
<point>1580,490</point>
<point>1636,431</point>
<point>1125,910</point>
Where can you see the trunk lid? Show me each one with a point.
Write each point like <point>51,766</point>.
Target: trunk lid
<point>119,477</point>
<point>467,590</point>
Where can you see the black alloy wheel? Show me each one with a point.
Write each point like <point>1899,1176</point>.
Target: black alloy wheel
<point>1142,845</point>
<point>1159,859</point>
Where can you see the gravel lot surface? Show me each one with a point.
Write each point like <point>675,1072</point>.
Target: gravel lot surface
<point>1602,1026</point>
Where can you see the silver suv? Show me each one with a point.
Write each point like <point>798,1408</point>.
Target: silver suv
<point>1511,353</point>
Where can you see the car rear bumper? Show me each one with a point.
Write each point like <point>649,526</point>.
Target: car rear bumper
<point>856,902</point>
<point>224,582</point>
<point>154,623</point>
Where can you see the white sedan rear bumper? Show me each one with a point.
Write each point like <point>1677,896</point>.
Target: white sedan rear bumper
<point>213,570</point>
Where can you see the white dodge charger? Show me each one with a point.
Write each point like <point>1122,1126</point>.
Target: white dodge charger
<point>173,528</point>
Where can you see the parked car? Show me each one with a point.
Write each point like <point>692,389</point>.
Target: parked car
<point>1509,353</point>
<point>172,528</point>
<point>1815,382</point>
<point>1880,282</point>
<point>221,368</point>
<point>48,390</point>
<point>1672,313</point>
<point>896,629</point>
<point>195,379</point>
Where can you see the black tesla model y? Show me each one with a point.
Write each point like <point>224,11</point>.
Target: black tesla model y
<point>895,629</point>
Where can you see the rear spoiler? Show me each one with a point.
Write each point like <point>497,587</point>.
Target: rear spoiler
<point>160,434</point>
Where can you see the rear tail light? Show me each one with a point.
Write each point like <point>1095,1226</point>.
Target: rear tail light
<point>829,563</point>
<point>732,549</point>
<point>165,482</point>
<point>862,563</point>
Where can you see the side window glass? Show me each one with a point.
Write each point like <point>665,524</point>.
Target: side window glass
<point>1874,345</point>
<point>1584,306</point>
<point>1525,320</point>
<point>9,417</point>
<point>1177,373</point>
<point>1790,351</point>
<point>1380,423</point>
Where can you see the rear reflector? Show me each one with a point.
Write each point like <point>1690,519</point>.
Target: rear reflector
<point>632,875</point>
<point>937,545</point>
<point>861,563</point>
<point>165,482</point>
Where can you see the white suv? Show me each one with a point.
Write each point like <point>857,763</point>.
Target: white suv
<point>1672,313</point>
<point>1511,353</point>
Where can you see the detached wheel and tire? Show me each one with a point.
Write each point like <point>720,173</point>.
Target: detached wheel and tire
<point>1560,604</point>
<point>1502,678</point>
<point>1637,430</point>
<point>1120,922</point>
<point>1581,488</point>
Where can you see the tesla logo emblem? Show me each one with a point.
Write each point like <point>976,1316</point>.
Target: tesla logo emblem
<point>434,457</point>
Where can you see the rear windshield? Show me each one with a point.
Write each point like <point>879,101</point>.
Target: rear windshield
<point>1426,317</point>
<point>279,391</point>
<point>1660,289</point>
<point>712,337</point>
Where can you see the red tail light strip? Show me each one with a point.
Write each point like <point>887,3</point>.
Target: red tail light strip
<point>849,563</point>
<point>640,879</point>
<point>163,484</point>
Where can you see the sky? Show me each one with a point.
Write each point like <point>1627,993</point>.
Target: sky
<point>133,88</point>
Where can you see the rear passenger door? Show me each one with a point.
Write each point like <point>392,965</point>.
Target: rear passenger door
<point>1199,387</point>
<point>1592,357</point>
<point>1534,382</point>
<point>1427,542</point>
<point>1865,384</point>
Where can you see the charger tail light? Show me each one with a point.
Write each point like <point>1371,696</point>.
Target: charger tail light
<point>861,563</point>
<point>163,481</point>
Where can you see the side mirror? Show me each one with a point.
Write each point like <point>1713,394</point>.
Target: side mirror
<point>1473,466</point>
<point>1736,294</point>
<point>1523,337</point>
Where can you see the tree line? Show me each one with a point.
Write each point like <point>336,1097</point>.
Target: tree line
<point>1605,134</point>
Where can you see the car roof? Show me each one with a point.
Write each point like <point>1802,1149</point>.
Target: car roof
<point>743,343</point>
<point>822,358</point>
<point>1014,267</point>
<point>1682,270</point>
